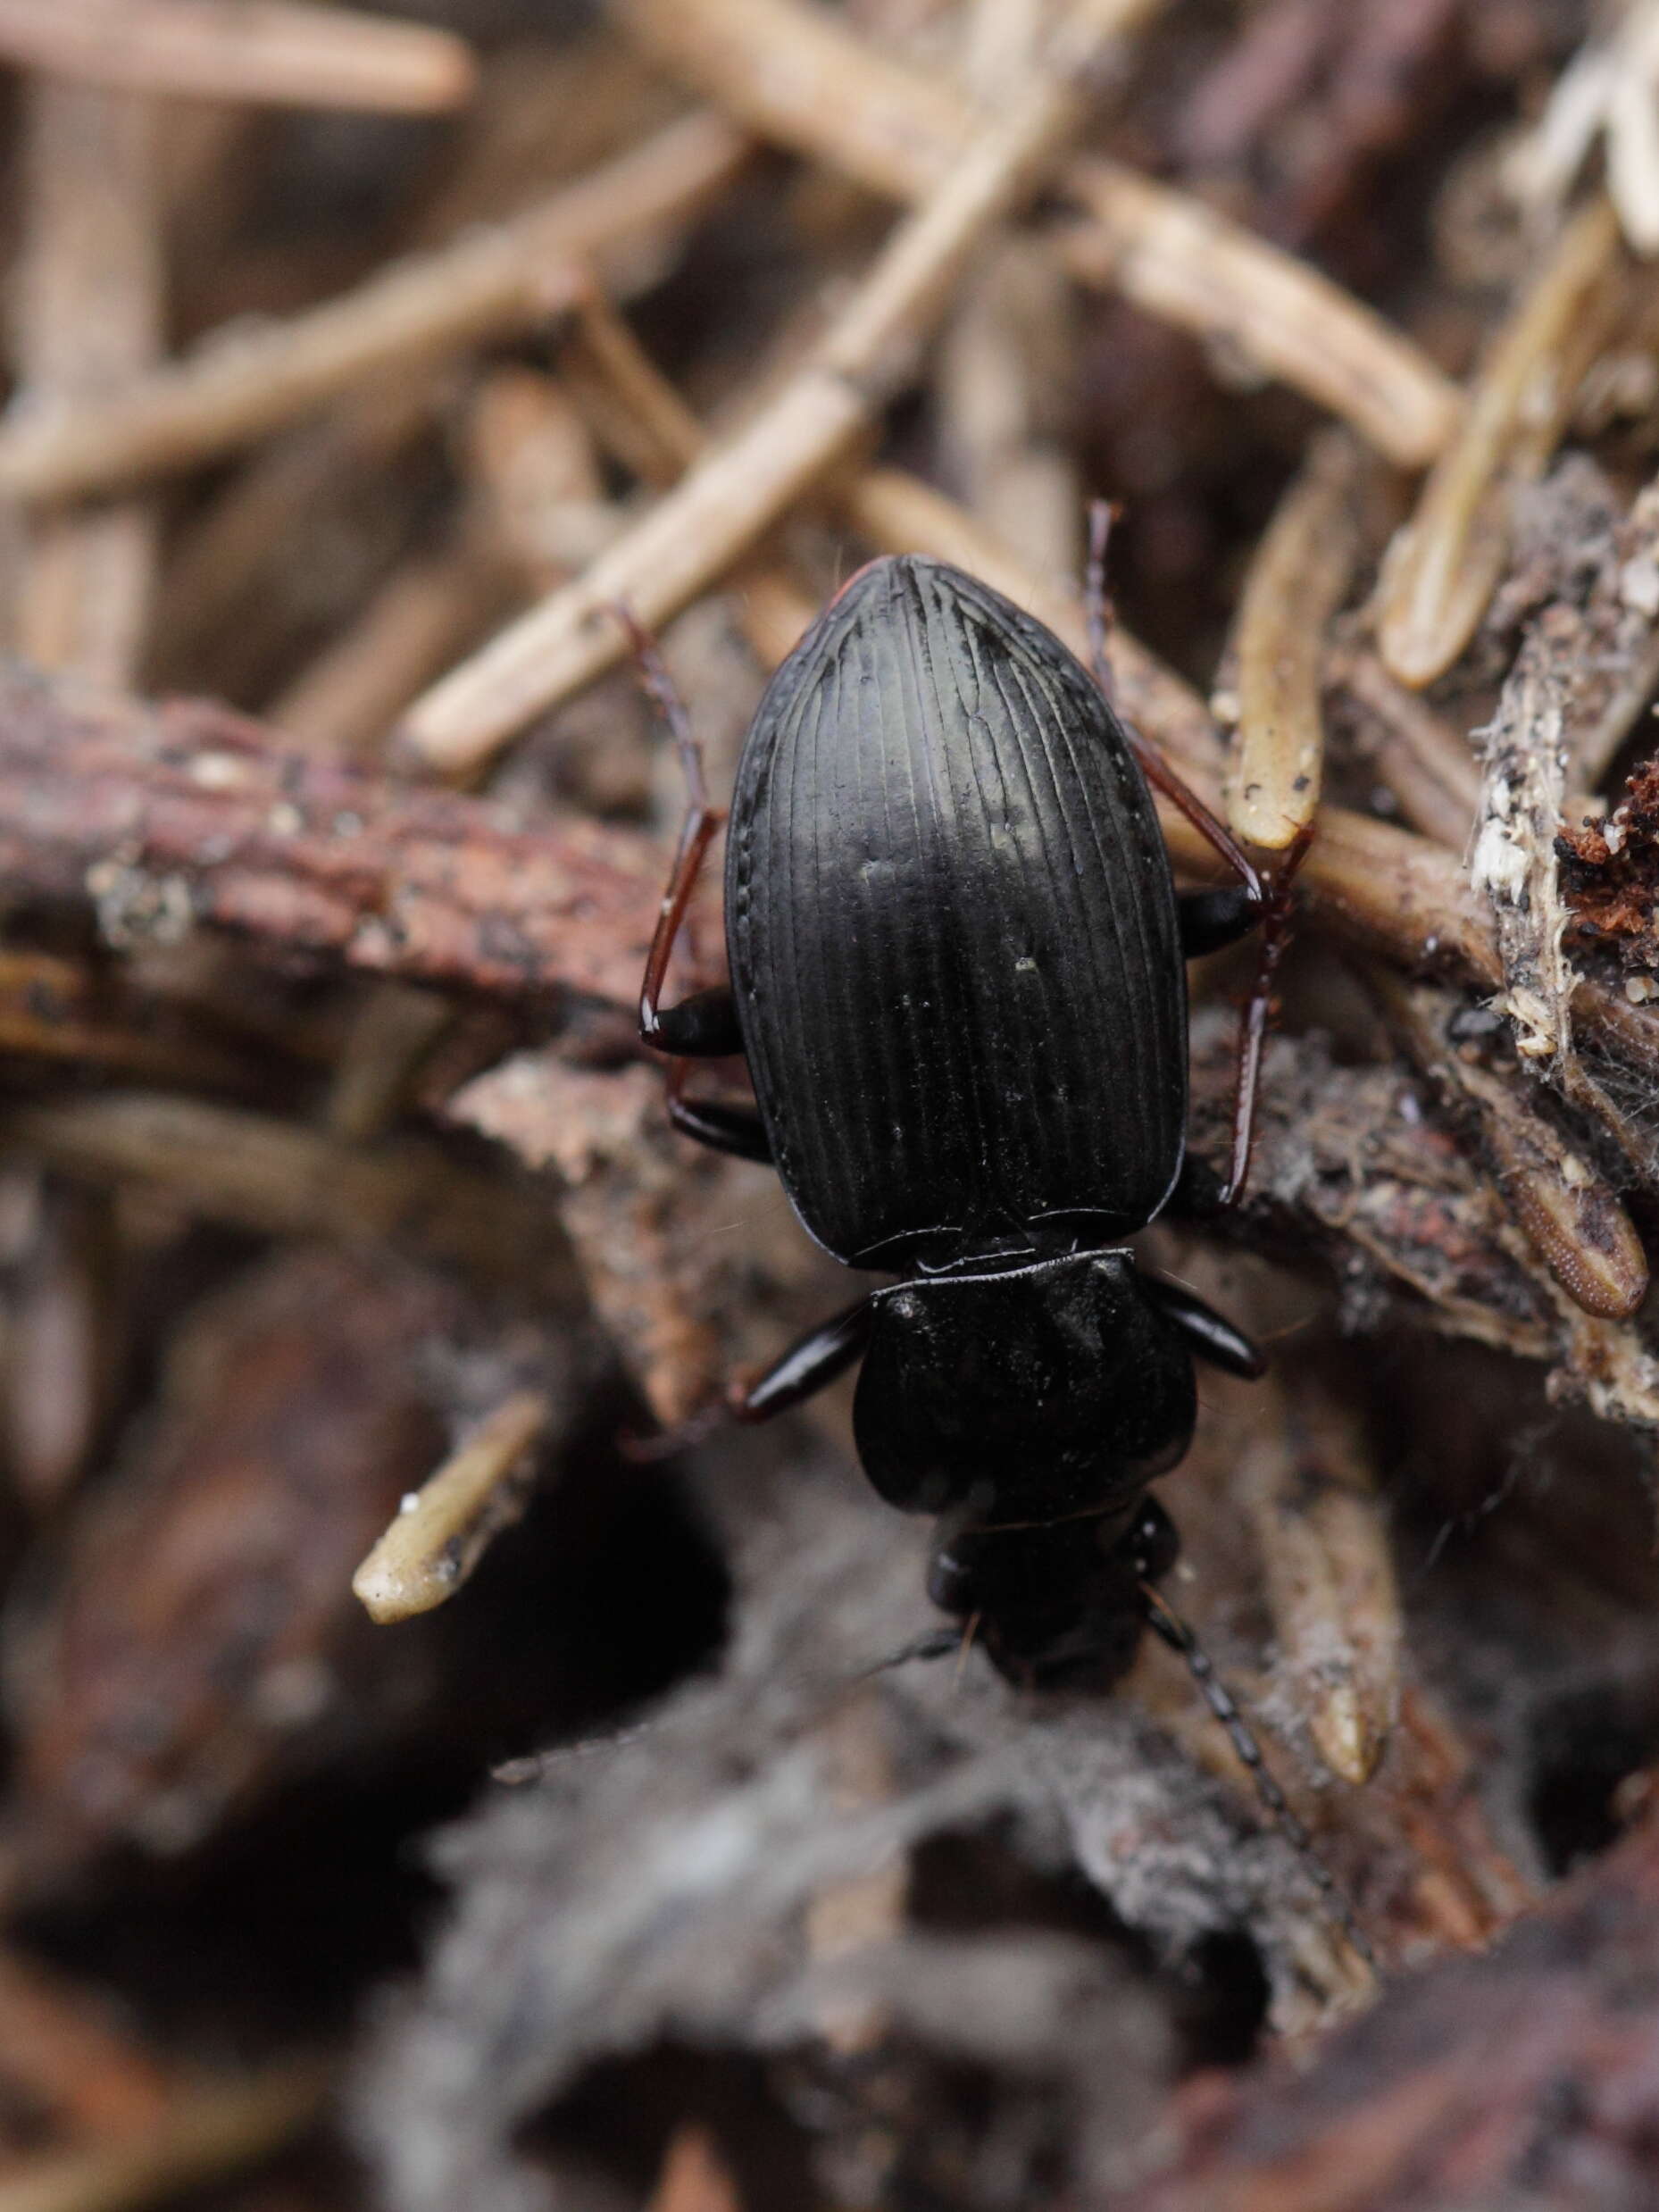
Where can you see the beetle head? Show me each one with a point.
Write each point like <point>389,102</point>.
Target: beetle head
<point>1060,1605</point>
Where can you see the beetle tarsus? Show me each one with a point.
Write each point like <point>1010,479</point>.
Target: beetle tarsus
<point>1210,1335</point>
<point>736,1130</point>
<point>1276,910</point>
<point>1211,921</point>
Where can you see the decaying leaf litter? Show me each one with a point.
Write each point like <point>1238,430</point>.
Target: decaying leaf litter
<point>359,366</point>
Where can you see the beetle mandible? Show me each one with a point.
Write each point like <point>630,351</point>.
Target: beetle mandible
<point>956,976</point>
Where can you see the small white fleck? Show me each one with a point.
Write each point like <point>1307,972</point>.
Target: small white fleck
<point>1639,585</point>
<point>218,771</point>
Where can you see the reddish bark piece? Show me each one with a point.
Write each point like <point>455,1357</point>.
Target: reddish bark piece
<point>1528,2076</point>
<point>1609,869</point>
<point>195,1631</point>
<point>185,814</point>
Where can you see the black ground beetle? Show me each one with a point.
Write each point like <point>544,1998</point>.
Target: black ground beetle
<point>956,951</point>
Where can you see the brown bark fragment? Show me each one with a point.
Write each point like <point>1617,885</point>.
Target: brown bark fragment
<point>185,815</point>
<point>199,1623</point>
<point>1530,2076</point>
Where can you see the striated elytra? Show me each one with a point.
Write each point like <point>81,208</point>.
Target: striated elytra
<point>953,935</point>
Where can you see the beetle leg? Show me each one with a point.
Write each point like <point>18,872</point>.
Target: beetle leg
<point>1264,898</point>
<point>1209,921</point>
<point>705,1023</point>
<point>1210,1335</point>
<point>810,1362</point>
<point>1152,765</point>
<point>1253,1029</point>
<point>723,1127</point>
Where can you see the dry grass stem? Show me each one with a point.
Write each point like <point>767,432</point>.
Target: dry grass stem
<point>1571,1216</point>
<point>1299,578</point>
<point>641,421</point>
<point>629,404</point>
<point>384,1046</point>
<point>87,314</point>
<point>1173,257</point>
<point>1447,560</point>
<point>278,1178</point>
<point>1612,88</point>
<point>716,513</point>
<point>224,574</point>
<point>53,1009</point>
<point>243,384</point>
<point>1004,354</point>
<point>792,74</point>
<point>430,610</point>
<point>1306,1486</point>
<point>443,1530</point>
<point>535,474</point>
<point>265,50</point>
<point>1417,754</point>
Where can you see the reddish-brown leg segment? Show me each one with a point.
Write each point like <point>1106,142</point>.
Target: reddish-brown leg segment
<point>1269,898</point>
<point>658,1025</point>
<point>703,1026</point>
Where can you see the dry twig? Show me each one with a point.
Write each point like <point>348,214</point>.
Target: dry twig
<point>444,1529</point>
<point>1420,758</point>
<point>1447,560</point>
<point>89,317</point>
<point>1609,87</point>
<point>1298,579</point>
<point>793,74</point>
<point>185,816</point>
<point>1307,1485</point>
<point>278,1178</point>
<point>243,384</point>
<point>265,50</point>
<point>732,497</point>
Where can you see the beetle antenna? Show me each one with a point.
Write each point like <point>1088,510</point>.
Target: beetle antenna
<point>1168,1623</point>
<point>936,1643</point>
<point>663,693</point>
<point>1096,601</point>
